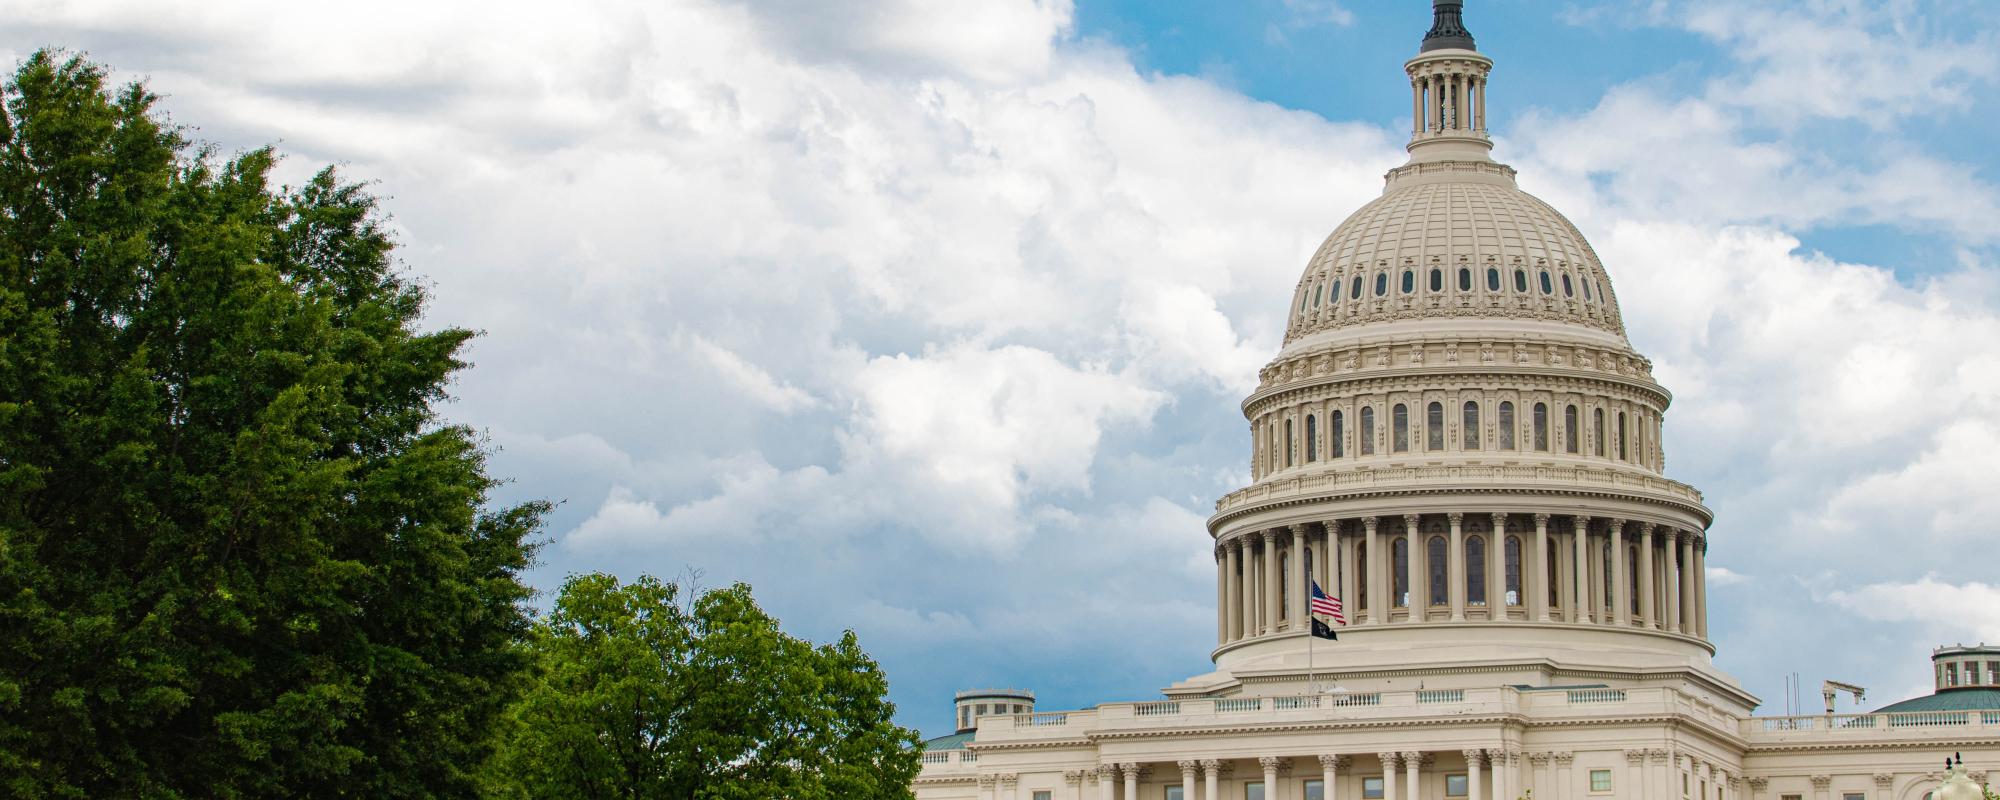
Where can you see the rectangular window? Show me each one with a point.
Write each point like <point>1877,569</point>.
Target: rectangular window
<point>1455,786</point>
<point>1853,796</point>
<point>1792,797</point>
<point>1600,780</point>
<point>1174,793</point>
<point>1371,788</point>
<point>1315,790</point>
<point>1253,791</point>
<point>1044,794</point>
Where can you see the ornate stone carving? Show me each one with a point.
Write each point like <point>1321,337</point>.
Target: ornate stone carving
<point>1758,784</point>
<point>1538,760</point>
<point>1822,781</point>
<point>1474,757</point>
<point>1564,759</point>
<point>1659,756</point>
<point>1884,779</point>
<point>1635,757</point>
<point>1269,763</point>
<point>986,782</point>
<point>1332,761</point>
<point>1390,761</point>
<point>1008,780</point>
<point>1073,777</point>
<point>1188,767</point>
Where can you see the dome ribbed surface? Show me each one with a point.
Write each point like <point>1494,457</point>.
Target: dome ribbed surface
<point>1948,700</point>
<point>1452,226</point>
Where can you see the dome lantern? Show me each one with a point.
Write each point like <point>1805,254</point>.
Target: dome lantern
<point>1448,92</point>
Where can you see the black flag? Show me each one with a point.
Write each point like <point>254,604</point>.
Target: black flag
<point>1323,630</point>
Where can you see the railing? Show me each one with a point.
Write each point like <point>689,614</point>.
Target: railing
<point>936,758</point>
<point>1368,699</point>
<point>1871,724</point>
<point>969,758</point>
<point>1384,476</point>
<point>1295,703</point>
<point>1597,695</point>
<point>1156,709</point>
<point>1042,719</point>
<point>1440,696</point>
<point>1237,705</point>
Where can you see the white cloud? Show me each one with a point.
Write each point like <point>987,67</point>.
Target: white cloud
<point>1967,611</point>
<point>748,378</point>
<point>1723,576</point>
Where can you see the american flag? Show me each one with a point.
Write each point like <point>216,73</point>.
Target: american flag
<point>1327,606</point>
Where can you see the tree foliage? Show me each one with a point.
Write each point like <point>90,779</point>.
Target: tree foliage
<point>240,556</point>
<point>641,696</point>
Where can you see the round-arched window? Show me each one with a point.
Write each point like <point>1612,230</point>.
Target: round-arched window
<point>1320,292</point>
<point>1356,291</point>
<point>1548,287</point>
<point>1381,283</point>
<point>1569,290</point>
<point>1409,281</point>
<point>1437,280</point>
<point>1586,289</point>
<point>1521,281</point>
<point>1464,279</point>
<point>1492,279</point>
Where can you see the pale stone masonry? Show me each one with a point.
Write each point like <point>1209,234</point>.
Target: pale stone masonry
<point>1458,441</point>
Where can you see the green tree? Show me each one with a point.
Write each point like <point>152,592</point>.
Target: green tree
<point>240,556</point>
<point>641,696</point>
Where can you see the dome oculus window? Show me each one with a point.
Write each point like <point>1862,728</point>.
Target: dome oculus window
<point>1320,290</point>
<point>1586,288</point>
<point>1381,283</point>
<point>1356,293</point>
<point>1409,281</point>
<point>1548,287</point>
<point>1464,279</point>
<point>1437,280</point>
<point>1492,279</point>
<point>1521,281</point>
<point>1569,289</point>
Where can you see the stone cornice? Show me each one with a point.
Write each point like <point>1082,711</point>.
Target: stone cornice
<point>1294,491</point>
<point>1415,381</point>
<point>1305,725</point>
<point>1496,355</point>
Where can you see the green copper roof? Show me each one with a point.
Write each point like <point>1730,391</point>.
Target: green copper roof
<point>955,741</point>
<point>1949,700</point>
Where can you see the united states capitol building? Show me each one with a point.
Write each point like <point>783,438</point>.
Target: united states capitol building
<point>1458,442</point>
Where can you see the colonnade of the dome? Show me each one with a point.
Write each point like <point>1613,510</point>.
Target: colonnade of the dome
<point>1463,567</point>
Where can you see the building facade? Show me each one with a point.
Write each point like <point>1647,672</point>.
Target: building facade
<point>1458,441</point>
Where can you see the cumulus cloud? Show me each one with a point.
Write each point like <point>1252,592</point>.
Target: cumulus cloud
<point>1966,612</point>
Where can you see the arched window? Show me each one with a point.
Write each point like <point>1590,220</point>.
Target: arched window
<point>1399,435</point>
<point>1492,279</point>
<point>1284,582</point>
<point>1541,423</point>
<point>1605,570</point>
<point>1555,577</point>
<point>1569,429</point>
<point>1312,438</point>
<point>1440,581</point>
<point>1305,297</point>
<point>1569,289</point>
<point>1339,434</point>
<point>1464,279</point>
<point>1381,283</point>
<point>1368,430</point>
<point>1547,287</point>
<point>1632,576</point>
<point>1513,556</point>
<point>1437,280</point>
<point>1409,281</point>
<point>1521,281</point>
<point>1597,429</point>
<point>1475,570</point>
<point>1622,452</point>
<point>1320,291</point>
<point>1471,425</point>
<point>1361,576</point>
<point>1586,288</point>
<point>1355,293</point>
<point>1434,427</point>
<point>1506,425</point>
<point>1399,568</point>
<point>1291,444</point>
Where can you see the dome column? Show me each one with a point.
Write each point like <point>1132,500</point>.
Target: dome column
<point>1297,595</point>
<point>1269,587</point>
<point>1581,611</point>
<point>1687,583</point>
<point>1649,612</point>
<point>1496,570</point>
<point>1621,600</point>
<point>1377,595</point>
<point>1389,763</point>
<point>1233,572</point>
<point>1673,582</point>
<point>1700,627</point>
<point>1419,570</point>
<point>1472,776</point>
<point>1221,595</point>
<point>1539,595</point>
<point>1456,576</point>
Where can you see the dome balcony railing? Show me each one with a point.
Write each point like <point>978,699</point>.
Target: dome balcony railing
<point>1452,476</point>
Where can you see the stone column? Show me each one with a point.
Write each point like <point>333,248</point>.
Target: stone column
<point>1821,783</point>
<point>1073,778</point>
<point>1420,583</point>
<point>1221,595</point>
<point>1376,573</point>
<point>1700,626</point>
<point>1621,602</point>
<point>1298,580</point>
<point>1234,572</point>
<point>1538,775</point>
<point>1107,781</point>
<point>1344,548</point>
<point>1564,790</point>
<point>1540,593</point>
<point>1455,574</point>
<point>1187,778</point>
<point>1635,774</point>
<point>1472,782</point>
<point>1010,786</point>
<point>1658,778</point>
<point>1582,569</point>
<point>1389,763</point>
<point>1412,762</point>
<point>1496,571</point>
<point>1480,122</point>
<point>1211,777</point>
<point>1687,583</point>
<point>1673,581</point>
<point>986,783</point>
<point>1416,120</point>
<point>1270,765</point>
<point>1649,609</point>
<point>1506,766</point>
<point>1883,782</point>
<point>1757,786</point>
<point>1131,771</point>
<point>1329,772</point>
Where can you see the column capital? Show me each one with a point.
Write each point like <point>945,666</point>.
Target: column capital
<point>1581,521</point>
<point>1411,520</point>
<point>987,781</point>
<point>1332,760</point>
<point>1300,529</point>
<point>1221,552</point>
<point>1455,517</point>
<point>1474,758</point>
<point>1268,536</point>
<point>1412,758</point>
<point>1758,784</point>
<point>1332,526</point>
<point>1617,525</point>
<point>1209,765</point>
<point>1008,779</point>
<point>1822,781</point>
<point>1269,763</point>
<point>1542,519</point>
<point>1882,779</point>
<point>1658,755</point>
<point>1499,522</point>
<point>1538,759</point>
<point>1389,760</point>
<point>1233,543</point>
<point>1563,759</point>
<point>1073,777</point>
<point>1371,523</point>
<point>1635,757</point>
<point>1188,767</point>
<point>1108,772</point>
<point>1644,528</point>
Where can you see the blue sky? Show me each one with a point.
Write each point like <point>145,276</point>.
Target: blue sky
<point>932,323</point>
